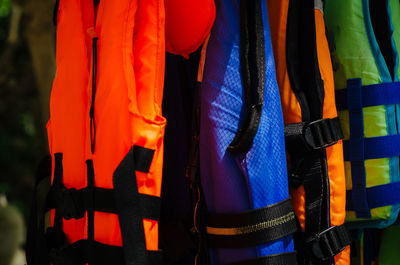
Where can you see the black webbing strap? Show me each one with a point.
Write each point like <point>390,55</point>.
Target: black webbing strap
<point>308,155</point>
<point>90,211</point>
<point>151,206</point>
<point>319,134</point>
<point>57,184</point>
<point>78,254</point>
<point>36,244</point>
<point>130,211</point>
<point>143,157</point>
<point>73,203</point>
<point>251,228</point>
<point>55,12</point>
<point>328,243</point>
<point>252,61</point>
<point>288,258</point>
<point>314,189</point>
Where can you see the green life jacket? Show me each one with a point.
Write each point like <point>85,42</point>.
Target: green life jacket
<point>365,40</point>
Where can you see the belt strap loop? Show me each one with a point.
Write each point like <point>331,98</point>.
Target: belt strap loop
<point>356,146</point>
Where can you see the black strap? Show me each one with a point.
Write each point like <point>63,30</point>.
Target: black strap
<point>143,158</point>
<point>125,200</point>
<point>58,183</point>
<point>55,12</point>
<point>252,61</point>
<point>151,206</point>
<point>309,166</point>
<point>251,228</point>
<point>90,211</point>
<point>288,258</point>
<point>328,243</point>
<point>130,211</point>
<point>36,245</point>
<point>302,137</point>
<point>73,203</point>
<point>78,254</point>
<point>58,170</point>
<point>44,169</point>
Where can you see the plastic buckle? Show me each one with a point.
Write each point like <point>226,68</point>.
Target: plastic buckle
<point>320,245</point>
<point>70,208</point>
<point>316,138</point>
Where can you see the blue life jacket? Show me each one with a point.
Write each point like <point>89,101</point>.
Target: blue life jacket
<point>242,152</point>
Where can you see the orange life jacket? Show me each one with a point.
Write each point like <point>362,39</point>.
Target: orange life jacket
<point>106,129</point>
<point>313,137</point>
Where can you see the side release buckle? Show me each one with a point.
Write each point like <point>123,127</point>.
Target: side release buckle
<point>69,202</point>
<point>316,135</point>
<point>328,243</point>
<point>322,133</point>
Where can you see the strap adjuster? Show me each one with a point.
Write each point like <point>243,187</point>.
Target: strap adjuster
<point>322,133</point>
<point>316,135</point>
<point>328,243</point>
<point>68,202</point>
<point>71,208</point>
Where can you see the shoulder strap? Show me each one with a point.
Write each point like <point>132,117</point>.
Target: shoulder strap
<point>252,63</point>
<point>307,141</point>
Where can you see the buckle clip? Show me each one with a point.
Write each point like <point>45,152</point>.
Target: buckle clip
<point>328,243</point>
<point>66,203</point>
<point>322,133</point>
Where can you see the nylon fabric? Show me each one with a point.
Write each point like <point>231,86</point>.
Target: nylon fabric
<point>127,79</point>
<point>262,169</point>
<point>355,24</point>
<point>187,25</point>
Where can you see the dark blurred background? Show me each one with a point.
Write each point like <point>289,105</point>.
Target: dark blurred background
<point>27,66</point>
